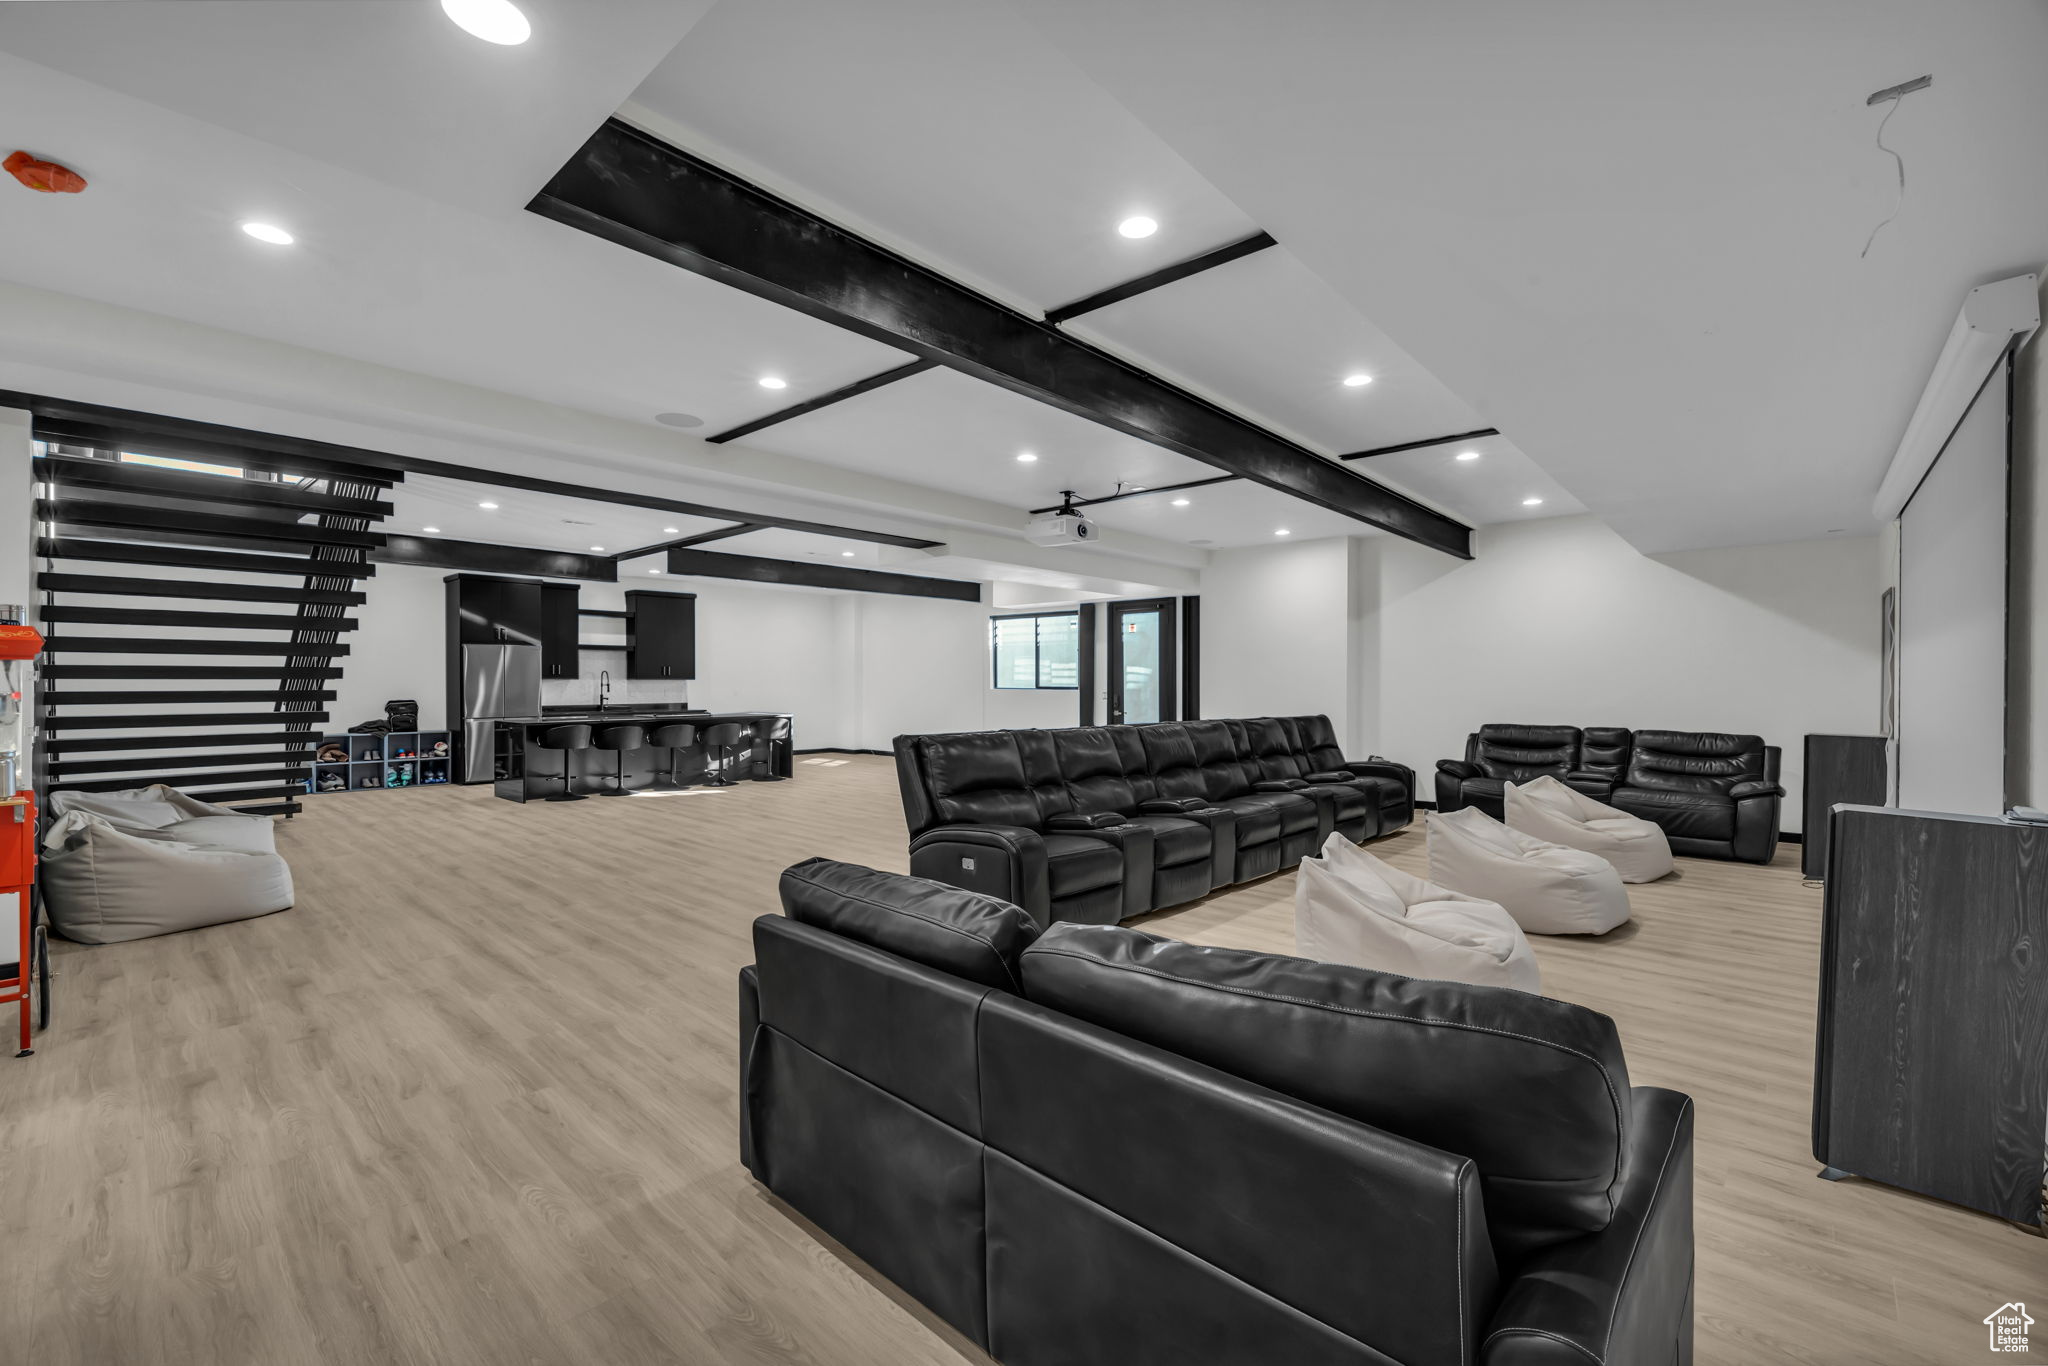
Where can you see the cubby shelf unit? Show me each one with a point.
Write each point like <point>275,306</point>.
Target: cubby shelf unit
<point>375,755</point>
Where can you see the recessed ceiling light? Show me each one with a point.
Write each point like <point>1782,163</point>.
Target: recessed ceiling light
<point>679,419</point>
<point>1532,502</point>
<point>268,232</point>
<point>1026,457</point>
<point>494,21</point>
<point>1139,226</point>
<point>654,571</point>
<point>772,382</point>
<point>847,553</point>
<point>1358,381</point>
<point>597,547</point>
<point>671,531</point>
<point>488,507</point>
<point>431,530</point>
<point>1180,502</point>
<point>1468,455</point>
<point>1283,531</point>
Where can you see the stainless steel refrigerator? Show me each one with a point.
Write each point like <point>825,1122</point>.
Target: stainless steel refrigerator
<point>497,681</point>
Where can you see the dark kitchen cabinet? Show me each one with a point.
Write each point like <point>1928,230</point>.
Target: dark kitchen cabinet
<point>488,611</point>
<point>559,629</point>
<point>663,627</point>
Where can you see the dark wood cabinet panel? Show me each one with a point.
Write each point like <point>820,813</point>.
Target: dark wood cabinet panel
<point>663,627</point>
<point>1839,768</point>
<point>495,611</point>
<point>1931,1070</point>
<point>559,629</point>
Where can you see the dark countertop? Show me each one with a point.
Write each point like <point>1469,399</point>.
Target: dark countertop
<point>636,708</point>
<point>632,714</point>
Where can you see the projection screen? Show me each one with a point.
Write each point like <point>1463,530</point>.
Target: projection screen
<point>1951,624</point>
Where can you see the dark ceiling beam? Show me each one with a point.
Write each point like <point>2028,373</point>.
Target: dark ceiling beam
<point>120,428</point>
<point>1419,445</point>
<point>1165,275</point>
<point>1231,478</point>
<point>719,564</point>
<point>811,405</point>
<point>715,534</point>
<point>630,188</point>
<point>439,552</point>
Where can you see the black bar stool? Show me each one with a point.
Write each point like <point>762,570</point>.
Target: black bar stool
<point>674,738</point>
<point>619,739</point>
<point>569,740</point>
<point>722,737</point>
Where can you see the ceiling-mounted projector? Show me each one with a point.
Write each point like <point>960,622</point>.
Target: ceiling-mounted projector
<point>1066,526</point>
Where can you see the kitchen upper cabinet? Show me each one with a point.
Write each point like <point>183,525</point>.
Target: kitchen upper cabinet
<point>490,611</point>
<point>559,630</point>
<point>663,627</point>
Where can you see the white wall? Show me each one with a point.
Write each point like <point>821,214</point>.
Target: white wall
<point>1277,631</point>
<point>398,649</point>
<point>1561,622</point>
<point>757,648</point>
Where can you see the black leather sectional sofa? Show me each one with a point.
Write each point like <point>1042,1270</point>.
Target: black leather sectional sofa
<point>1101,823</point>
<point>1716,796</point>
<point>1095,1147</point>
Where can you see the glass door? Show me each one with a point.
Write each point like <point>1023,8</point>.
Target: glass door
<point>1141,662</point>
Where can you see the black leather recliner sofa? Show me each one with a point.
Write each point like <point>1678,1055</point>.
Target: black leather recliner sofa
<point>1101,823</point>
<point>1094,1145</point>
<point>1714,795</point>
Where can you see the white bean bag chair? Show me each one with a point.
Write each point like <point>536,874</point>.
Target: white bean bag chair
<point>165,813</point>
<point>1351,907</point>
<point>1546,887</point>
<point>103,884</point>
<point>1553,811</point>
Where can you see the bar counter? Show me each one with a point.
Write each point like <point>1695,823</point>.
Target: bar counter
<point>528,771</point>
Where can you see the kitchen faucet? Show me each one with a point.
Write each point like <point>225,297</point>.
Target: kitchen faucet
<point>604,687</point>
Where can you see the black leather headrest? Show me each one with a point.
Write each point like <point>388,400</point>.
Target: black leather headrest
<point>1530,737</point>
<point>1694,761</point>
<point>1533,1090</point>
<point>969,935</point>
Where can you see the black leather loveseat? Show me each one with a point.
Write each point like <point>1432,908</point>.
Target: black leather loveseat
<point>1716,796</point>
<point>1101,823</point>
<point>1096,1147</point>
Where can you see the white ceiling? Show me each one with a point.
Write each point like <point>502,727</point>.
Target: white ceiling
<point>1264,336</point>
<point>1628,241</point>
<point>947,125</point>
<point>1629,235</point>
<point>544,521</point>
<point>388,89</point>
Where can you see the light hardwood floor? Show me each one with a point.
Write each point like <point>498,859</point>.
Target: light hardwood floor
<point>472,1101</point>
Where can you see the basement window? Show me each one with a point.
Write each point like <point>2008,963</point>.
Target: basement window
<point>1039,650</point>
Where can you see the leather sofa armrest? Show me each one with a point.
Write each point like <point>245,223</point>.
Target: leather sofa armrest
<point>1377,767</point>
<point>750,1021</point>
<point>1757,808</point>
<point>1279,785</point>
<point>1002,861</point>
<point>1221,822</point>
<point>1457,768</point>
<point>1624,1294</point>
<point>1328,777</point>
<point>1135,842</point>
<point>1076,823</point>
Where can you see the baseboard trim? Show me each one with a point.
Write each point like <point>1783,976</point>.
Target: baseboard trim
<point>1791,837</point>
<point>834,749</point>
